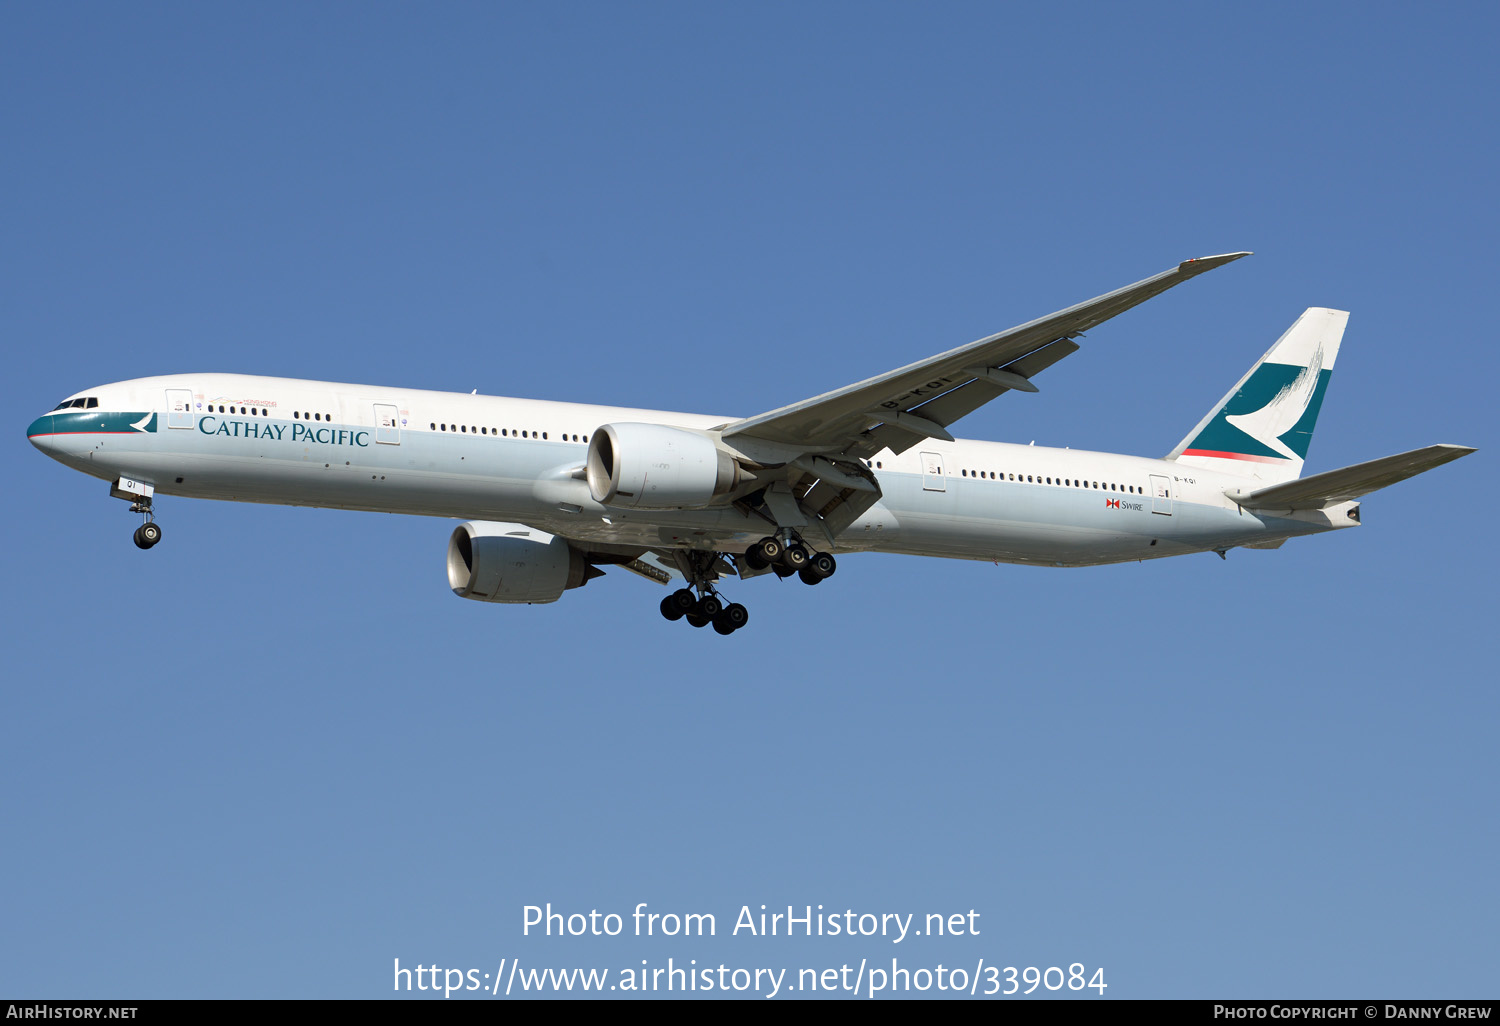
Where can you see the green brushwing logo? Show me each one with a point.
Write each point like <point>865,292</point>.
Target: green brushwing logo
<point>1272,415</point>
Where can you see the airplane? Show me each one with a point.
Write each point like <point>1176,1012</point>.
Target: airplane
<point>551,492</point>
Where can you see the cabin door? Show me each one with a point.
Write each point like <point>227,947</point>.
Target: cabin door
<point>932,473</point>
<point>1161,494</point>
<point>387,425</point>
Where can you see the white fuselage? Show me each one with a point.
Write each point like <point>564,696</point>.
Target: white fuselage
<point>314,443</point>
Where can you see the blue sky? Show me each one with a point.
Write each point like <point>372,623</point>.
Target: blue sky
<point>275,753</point>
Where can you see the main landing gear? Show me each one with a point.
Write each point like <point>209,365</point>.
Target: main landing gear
<point>709,609</point>
<point>706,607</point>
<point>149,533</point>
<point>700,604</point>
<point>788,558</point>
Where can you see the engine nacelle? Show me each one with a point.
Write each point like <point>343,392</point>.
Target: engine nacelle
<point>652,466</point>
<point>491,562</point>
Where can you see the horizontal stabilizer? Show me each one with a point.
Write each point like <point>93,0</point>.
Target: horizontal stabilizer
<point>1346,483</point>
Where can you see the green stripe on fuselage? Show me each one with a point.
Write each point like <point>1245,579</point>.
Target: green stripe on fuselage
<point>93,422</point>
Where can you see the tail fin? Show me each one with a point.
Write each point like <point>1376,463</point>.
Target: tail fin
<point>1262,428</point>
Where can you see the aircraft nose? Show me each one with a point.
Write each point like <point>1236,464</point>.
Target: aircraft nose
<point>41,435</point>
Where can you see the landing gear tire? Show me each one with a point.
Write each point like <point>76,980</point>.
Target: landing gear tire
<point>696,620</point>
<point>682,600</point>
<point>794,558</point>
<point>823,564</point>
<point>809,576</point>
<point>669,609</point>
<point>766,551</point>
<point>147,535</point>
<point>709,607</point>
<point>782,571</point>
<point>731,618</point>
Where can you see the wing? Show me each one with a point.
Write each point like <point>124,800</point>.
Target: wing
<point>898,409</point>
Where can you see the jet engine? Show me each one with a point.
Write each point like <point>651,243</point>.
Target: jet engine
<point>491,562</point>
<point>652,466</point>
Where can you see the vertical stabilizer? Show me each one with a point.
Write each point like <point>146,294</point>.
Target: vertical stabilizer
<point>1262,428</point>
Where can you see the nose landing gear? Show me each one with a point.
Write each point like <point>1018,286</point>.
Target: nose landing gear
<point>138,494</point>
<point>149,533</point>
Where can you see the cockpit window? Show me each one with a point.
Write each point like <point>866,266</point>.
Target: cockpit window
<point>89,403</point>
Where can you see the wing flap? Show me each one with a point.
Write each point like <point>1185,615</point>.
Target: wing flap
<point>1347,483</point>
<point>963,400</point>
